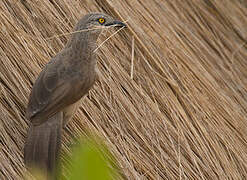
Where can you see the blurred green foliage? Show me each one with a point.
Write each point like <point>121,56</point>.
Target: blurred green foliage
<point>89,161</point>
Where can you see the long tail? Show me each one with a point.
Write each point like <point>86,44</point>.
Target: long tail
<point>42,145</point>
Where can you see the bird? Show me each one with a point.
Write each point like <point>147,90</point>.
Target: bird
<point>58,89</point>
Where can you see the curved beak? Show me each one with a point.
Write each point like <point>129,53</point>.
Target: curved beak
<point>116,23</point>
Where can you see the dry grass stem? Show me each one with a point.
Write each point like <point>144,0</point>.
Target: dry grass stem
<point>91,29</point>
<point>108,38</point>
<point>132,57</point>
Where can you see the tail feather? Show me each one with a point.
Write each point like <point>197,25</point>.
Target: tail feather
<point>42,145</point>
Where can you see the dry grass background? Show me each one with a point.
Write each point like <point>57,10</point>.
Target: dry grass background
<point>184,113</point>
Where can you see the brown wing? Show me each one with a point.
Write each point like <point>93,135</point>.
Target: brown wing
<point>51,92</point>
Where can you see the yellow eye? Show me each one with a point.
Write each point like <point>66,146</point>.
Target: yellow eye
<point>101,20</point>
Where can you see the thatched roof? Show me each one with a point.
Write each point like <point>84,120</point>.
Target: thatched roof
<point>184,113</point>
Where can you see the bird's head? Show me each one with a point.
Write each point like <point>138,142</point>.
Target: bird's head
<point>90,26</point>
<point>96,22</point>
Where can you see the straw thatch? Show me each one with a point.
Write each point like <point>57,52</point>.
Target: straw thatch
<point>184,113</point>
